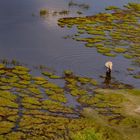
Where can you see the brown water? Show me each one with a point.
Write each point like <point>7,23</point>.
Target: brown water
<point>35,40</point>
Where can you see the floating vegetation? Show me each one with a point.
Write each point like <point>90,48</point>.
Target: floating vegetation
<point>33,107</point>
<point>82,5</point>
<point>137,76</point>
<point>79,13</point>
<point>111,33</point>
<point>120,50</point>
<point>51,75</point>
<point>128,56</point>
<point>64,12</point>
<point>68,37</point>
<point>130,69</point>
<point>112,8</point>
<point>43,12</point>
<point>46,12</point>
<point>11,62</point>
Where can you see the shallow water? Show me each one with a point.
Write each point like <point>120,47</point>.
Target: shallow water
<point>35,40</point>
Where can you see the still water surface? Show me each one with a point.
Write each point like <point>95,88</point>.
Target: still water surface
<point>35,40</point>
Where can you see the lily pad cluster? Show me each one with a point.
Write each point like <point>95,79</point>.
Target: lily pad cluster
<point>34,107</point>
<point>31,106</point>
<point>111,33</point>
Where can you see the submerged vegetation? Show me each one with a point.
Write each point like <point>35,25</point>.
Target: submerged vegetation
<point>45,12</point>
<point>82,5</point>
<point>112,33</point>
<point>65,12</point>
<point>33,107</point>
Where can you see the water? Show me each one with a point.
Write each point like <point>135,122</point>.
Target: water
<point>35,40</point>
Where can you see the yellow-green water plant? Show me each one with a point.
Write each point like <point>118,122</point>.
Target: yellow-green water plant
<point>87,134</point>
<point>116,30</point>
<point>51,75</point>
<point>43,12</point>
<point>35,107</point>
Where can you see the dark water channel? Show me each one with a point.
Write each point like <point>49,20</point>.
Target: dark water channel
<point>35,40</point>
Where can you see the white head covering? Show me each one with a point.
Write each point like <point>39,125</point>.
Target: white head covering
<point>109,64</point>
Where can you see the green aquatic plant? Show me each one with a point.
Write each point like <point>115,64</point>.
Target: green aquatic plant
<point>6,126</point>
<point>20,70</point>
<point>93,82</point>
<point>31,100</point>
<point>55,77</point>
<point>2,71</point>
<point>86,100</point>
<point>130,69</point>
<point>88,134</point>
<point>128,56</point>
<point>64,12</point>
<point>58,97</point>
<point>83,80</point>
<point>35,107</point>
<point>68,72</point>
<point>2,66</point>
<point>9,80</point>
<point>51,75</point>
<point>24,82</point>
<point>5,87</point>
<point>47,73</point>
<point>116,31</point>
<point>26,77</point>
<point>95,32</point>
<point>43,12</point>
<point>76,92</point>
<point>133,6</point>
<point>89,45</point>
<point>110,54</point>
<point>120,50</point>
<point>40,80</point>
<point>15,135</point>
<point>55,107</point>
<point>137,76</point>
<point>104,50</point>
<point>8,95</point>
<point>50,85</point>
<point>34,90</point>
<point>82,5</point>
<point>7,102</point>
<point>18,86</point>
<point>112,8</point>
<point>49,92</point>
<point>134,91</point>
